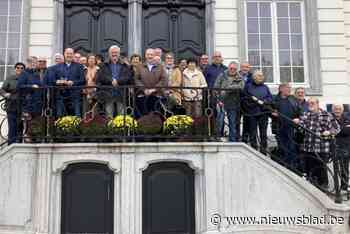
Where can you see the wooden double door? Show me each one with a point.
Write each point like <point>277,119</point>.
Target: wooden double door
<point>168,203</point>
<point>92,26</point>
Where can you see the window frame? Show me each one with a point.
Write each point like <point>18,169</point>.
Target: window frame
<point>23,31</point>
<point>310,27</point>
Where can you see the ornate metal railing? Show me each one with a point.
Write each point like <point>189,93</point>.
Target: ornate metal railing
<point>154,114</point>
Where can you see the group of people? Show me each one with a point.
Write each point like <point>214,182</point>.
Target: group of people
<point>234,92</point>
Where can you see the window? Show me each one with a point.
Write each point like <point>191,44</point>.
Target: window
<point>11,17</point>
<point>275,40</point>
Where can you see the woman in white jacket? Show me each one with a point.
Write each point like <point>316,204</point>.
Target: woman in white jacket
<point>192,98</point>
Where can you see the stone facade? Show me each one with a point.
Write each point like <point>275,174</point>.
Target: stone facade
<point>46,29</point>
<point>230,180</point>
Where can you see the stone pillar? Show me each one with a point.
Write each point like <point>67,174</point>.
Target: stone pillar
<point>135,27</point>
<point>128,194</point>
<point>210,26</point>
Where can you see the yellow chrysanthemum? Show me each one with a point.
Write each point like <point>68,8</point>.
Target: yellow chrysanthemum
<point>123,121</point>
<point>177,123</point>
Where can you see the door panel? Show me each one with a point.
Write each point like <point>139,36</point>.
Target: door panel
<point>79,28</point>
<point>168,199</point>
<point>113,29</point>
<point>179,27</point>
<point>92,27</point>
<point>156,28</point>
<point>87,199</point>
<point>190,36</point>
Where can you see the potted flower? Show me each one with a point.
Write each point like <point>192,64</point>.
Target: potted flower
<point>67,126</point>
<point>178,125</point>
<point>122,125</point>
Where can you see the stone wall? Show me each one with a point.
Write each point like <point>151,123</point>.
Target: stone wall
<point>230,180</point>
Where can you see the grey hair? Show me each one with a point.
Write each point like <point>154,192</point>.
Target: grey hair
<point>58,55</point>
<point>233,62</point>
<point>338,105</point>
<point>113,47</point>
<point>257,72</point>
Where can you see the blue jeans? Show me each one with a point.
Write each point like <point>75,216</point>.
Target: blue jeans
<point>232,114</point>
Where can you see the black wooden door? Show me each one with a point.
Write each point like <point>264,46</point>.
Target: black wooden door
<point>176,26</point>
<point>93,26</point>
<point>87,199</point>
<point>168,199</point>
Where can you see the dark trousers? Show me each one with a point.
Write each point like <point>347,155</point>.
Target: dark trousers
<point>316,167</point>
<point>15,127</point>
<point>344,168</point>
<point>147,104</point>
<point>287,146</point>
<point>258,122</point>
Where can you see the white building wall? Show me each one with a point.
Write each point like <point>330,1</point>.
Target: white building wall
<point>347,40</point>
<point>41,28</point>
<point>226,13</point>
<point>334,29</point>
<point>333,48</point>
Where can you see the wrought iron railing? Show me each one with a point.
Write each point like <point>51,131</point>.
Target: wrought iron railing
<point>156,114</point>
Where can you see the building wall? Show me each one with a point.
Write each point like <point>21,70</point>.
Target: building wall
<point>335,75</point>
<point>230,180</point>
<point>41,28</point>
<point>334,30</point>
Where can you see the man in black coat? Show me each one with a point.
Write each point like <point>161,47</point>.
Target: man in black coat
<point>343,142</point>
<point>111,78</point>
<point>288,109</point>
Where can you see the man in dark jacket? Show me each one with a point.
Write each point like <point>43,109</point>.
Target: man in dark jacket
<point>343,143</point>
<point>287,109</point>
<point>13,104</point>
<point>32,94</point>
<point>257,115</point>
<point>246,75</point>
<point>215,69</point>
<point>300,96</point>
<point>68,78</point>
<point>111,77</point>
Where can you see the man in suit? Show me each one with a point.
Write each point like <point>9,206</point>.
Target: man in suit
<point>112,75</point>
<point>67,78</point>
<point>148,77</point>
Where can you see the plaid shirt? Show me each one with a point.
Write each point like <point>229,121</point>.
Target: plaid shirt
<point>318,123</point>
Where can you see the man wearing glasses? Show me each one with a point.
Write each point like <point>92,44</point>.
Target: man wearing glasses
<point>8,91</point>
